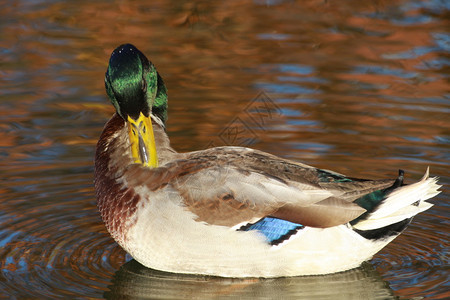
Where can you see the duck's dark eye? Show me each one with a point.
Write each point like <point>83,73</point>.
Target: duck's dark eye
<point>144,86</point>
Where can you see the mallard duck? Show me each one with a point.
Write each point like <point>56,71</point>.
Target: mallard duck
<point>232,211</point>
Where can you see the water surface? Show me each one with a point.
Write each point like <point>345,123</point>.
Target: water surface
<point>359,87</point>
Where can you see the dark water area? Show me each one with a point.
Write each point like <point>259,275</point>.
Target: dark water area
<point>358,87</point>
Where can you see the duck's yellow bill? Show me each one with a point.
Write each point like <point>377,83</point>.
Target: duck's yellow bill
<point>142,140</point>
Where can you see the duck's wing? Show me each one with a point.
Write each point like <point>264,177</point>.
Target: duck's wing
<point>229,186</point>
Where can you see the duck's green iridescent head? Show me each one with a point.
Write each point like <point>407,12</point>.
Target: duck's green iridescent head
<point>137,92</point>
<point>133,85</point>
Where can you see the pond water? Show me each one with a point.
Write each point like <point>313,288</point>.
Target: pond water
<point>359,87</point>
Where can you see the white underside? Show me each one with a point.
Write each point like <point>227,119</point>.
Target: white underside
<point>167,237</point>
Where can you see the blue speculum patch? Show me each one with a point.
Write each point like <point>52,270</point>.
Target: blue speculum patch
<point>275,230</point>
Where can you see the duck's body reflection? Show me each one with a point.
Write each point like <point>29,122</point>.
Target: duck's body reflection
<point>134,281</point>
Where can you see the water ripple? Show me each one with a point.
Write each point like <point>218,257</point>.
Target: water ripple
<point>47,253</point>
<point>414,259</point>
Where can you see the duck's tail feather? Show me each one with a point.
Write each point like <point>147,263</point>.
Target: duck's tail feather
<point>400,204</point>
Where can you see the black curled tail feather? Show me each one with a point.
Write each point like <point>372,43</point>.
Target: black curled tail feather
<point>370,202</point>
